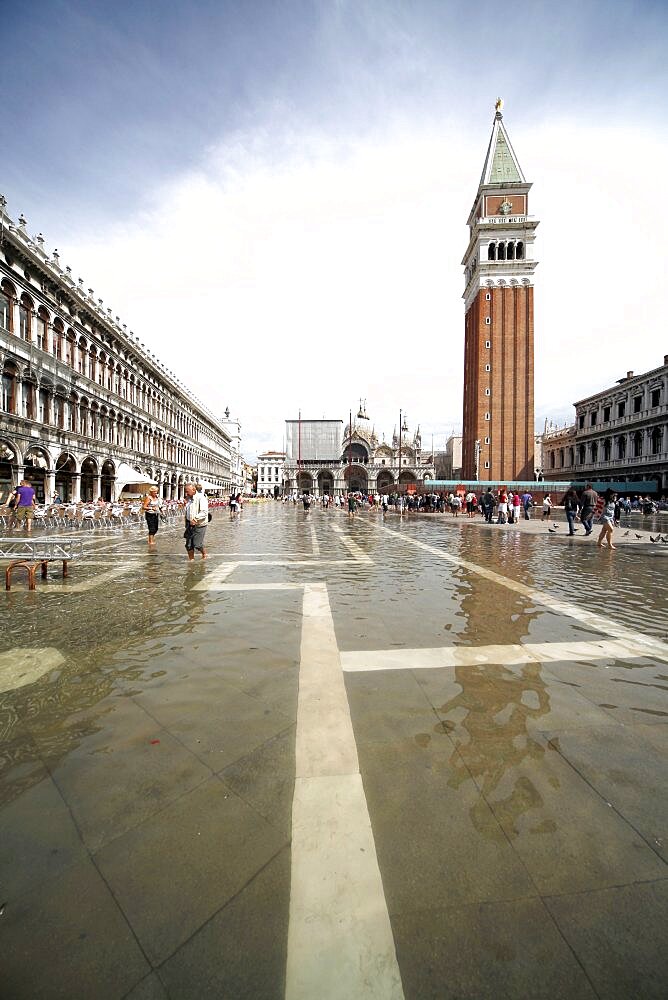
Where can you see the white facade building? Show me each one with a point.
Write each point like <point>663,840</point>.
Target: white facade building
<point>232,428</point>
<point>270,473</point>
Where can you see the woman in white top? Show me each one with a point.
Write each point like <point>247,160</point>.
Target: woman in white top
<point>547,507</point>
<point>153,507</point>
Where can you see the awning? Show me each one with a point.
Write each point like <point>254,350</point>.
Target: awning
<point>209,486</point>
<point>127,476</point>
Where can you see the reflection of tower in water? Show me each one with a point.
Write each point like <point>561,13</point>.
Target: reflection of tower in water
<point>488,719</point>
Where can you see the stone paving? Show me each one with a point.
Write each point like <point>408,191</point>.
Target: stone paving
<point>413,757</point>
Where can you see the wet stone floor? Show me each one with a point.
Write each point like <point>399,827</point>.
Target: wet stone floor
<point>338,759</point>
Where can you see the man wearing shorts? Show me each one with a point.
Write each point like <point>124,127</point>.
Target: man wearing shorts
<point>25,504</point>
<point>197,519</point>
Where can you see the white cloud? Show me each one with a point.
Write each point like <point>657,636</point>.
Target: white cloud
<point>302,271</point>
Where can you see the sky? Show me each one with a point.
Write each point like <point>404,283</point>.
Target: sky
<point>274,195</point>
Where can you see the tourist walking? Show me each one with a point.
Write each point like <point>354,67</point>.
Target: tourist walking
<point>197,518</point>
<point>352,505</point>
<point>547,507</point>
<point>487,504</point>
<point>571,506</point>
<point>589,501</point>
<point>607,519</point>
<point>24,504</point>
<point>517,507</point>
<point>503,507</point>
<point>153,507</point>
<point>527,504</point>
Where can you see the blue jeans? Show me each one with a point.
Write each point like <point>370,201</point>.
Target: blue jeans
<point>587,518</point>
<point>570,516</point>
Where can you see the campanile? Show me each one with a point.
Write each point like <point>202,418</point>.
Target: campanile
<point>498,425</point>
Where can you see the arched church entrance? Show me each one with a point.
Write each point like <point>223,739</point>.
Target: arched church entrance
<point>326,483</point>
<point>356,479</point>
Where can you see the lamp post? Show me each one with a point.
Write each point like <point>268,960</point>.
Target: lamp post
<point>299,445</point>
<point>350,447</point>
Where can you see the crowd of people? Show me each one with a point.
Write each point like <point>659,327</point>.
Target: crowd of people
<point>496,507</point>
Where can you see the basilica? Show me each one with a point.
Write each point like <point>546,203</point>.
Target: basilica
<point>356,460</point>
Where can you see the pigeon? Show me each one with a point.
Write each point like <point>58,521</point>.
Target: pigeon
<point>555,525</point>
<point>657,539</point>
<point>665,541</point>
<point>552,531</point>
<point>626,533</point>
<point>637,535</point>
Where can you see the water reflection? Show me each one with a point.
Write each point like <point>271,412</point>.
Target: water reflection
<point>488,719</point>
<point>51,718</point>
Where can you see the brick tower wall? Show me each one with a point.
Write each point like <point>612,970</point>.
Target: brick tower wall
<point>511,403</point>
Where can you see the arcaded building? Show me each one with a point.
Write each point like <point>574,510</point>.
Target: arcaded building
<point>620,434</point>
<point>86,407</point>
<point>499,263</point>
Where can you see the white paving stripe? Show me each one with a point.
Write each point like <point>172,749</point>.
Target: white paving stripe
<point>340,944</point>
<point>97,581</point>
<point>648,643</point>
<point>214,580</point>
<point>458,656</point>
<point>25,665</point>
<point>352,546</point>
<point>316,547</point>
<point>207,585</point>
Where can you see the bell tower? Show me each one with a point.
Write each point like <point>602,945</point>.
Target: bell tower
<point>498,425</point>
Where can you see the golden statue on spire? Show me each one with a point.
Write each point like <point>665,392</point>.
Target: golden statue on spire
<point>498,107</point>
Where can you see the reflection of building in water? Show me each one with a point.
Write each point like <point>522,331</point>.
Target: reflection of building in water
<point>318,461</point>
<point>86,408</point>
<point>488,717</point>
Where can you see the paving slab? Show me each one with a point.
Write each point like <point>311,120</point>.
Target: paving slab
<point>619,935</point>
<point>140,766</point>
<point>628,772</point>
<point>436,837</point>
<point>487,951</point>
<point>67,938</point>
<point>178,868</point>
<point>240,952</point>
<point>567,835</point>
<point>39,838</point>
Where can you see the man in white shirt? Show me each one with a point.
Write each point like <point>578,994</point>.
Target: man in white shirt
<point>197,519</point>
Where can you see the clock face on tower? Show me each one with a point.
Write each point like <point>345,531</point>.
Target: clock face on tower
<point>505,208</point>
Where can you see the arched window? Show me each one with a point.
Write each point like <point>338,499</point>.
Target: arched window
<point>581,454</point>
<point>491,251</point>
<point>594,451</point>
<point>637,444</point>
<point>519,251</point>
<point>8,390</point>
<point>552,462</point>
<point>511,251</point>
<point>25,318</point>
<point>43,406</point>
<point>70,341</point>
<point>5,310</point>
<point>40,328</point>
<point>621,447</point>
<point>561,458</point>
<point>607,449</point>
<point>57,346</point>
<point>502,251</point>
<point>657,439</point>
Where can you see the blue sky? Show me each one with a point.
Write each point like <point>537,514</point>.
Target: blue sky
<point>260,136</point>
